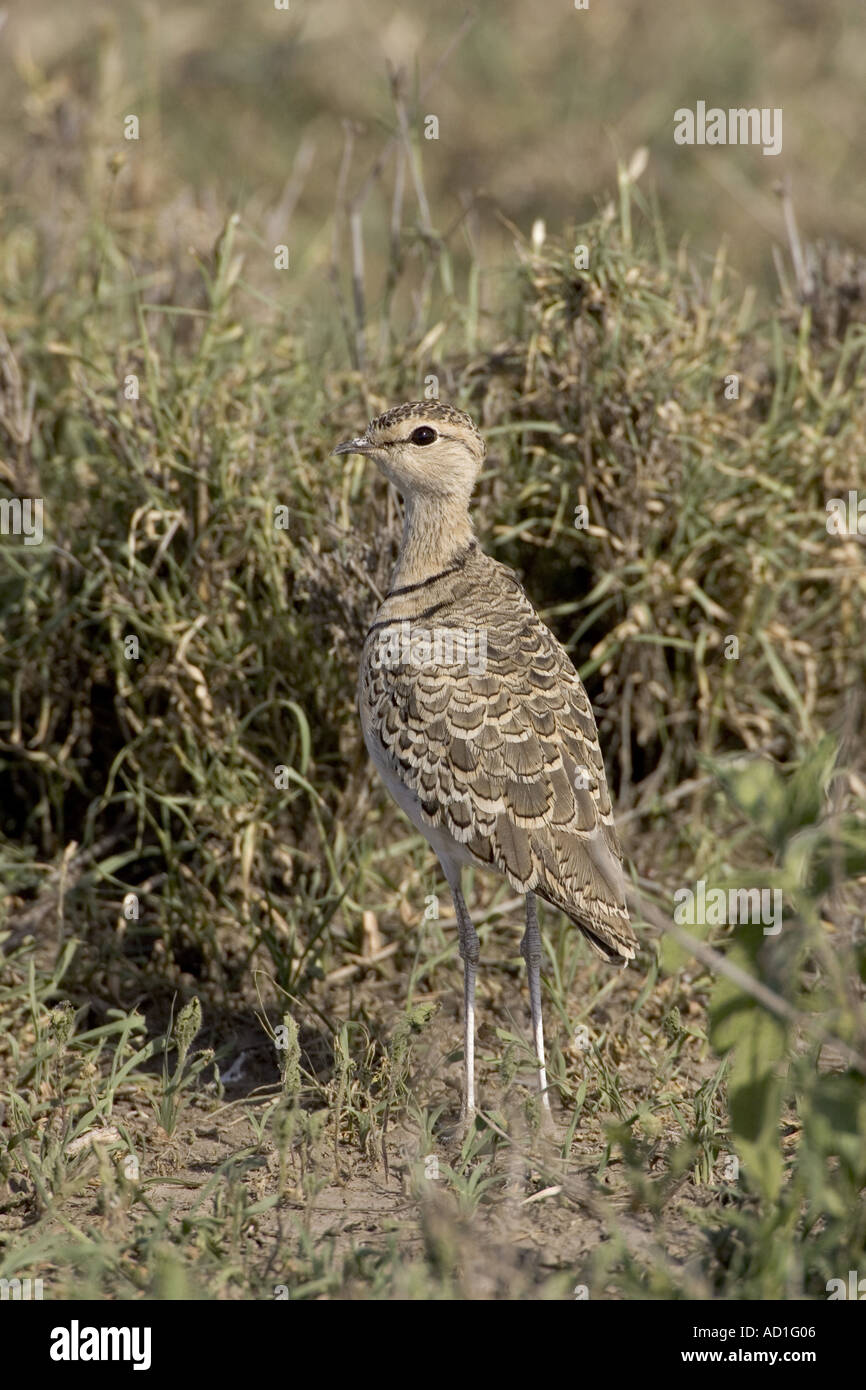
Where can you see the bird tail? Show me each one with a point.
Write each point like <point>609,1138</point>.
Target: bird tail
<point>589,887</point>
<point>613,940</point>
<point>608,931</point>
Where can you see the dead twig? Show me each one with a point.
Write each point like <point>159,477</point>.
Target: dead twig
<point>720,965</point>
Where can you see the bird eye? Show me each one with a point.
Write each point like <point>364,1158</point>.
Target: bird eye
<point>423,435</point>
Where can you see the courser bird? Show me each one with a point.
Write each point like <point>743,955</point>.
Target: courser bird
<point>475,717</point>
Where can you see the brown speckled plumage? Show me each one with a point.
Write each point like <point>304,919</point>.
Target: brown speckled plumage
<point>474,714</point>
<point>507,761</point>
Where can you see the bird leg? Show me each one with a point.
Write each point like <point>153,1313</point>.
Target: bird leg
<point>530,949</point>
<point>468,938</point>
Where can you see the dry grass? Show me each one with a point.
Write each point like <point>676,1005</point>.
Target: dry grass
<point>216,773</point>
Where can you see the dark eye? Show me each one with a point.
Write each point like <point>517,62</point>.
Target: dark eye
<point>423,435</point>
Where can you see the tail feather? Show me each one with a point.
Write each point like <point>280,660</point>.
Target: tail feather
<point>584,879</point>
<point>612,938</point>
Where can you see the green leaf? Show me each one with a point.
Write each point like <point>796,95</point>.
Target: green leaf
<point>825,857</point>
<point>758,1042</point>
<point>806,787</point>
<point>779,804</point>
<point>836,1115</point>
<point>756,787</point>
<point>755,1093</point>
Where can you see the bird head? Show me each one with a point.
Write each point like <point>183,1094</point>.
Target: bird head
<point>425,448</point>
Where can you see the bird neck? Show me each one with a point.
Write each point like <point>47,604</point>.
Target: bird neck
<point>435,531</point>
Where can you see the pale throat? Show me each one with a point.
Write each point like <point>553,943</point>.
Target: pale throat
<point>435,531</point>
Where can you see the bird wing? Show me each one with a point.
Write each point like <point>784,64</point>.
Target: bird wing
<point>503,754</point>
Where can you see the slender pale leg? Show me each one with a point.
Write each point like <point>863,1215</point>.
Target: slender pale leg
<point>469,952</point>
<point>530,949</point>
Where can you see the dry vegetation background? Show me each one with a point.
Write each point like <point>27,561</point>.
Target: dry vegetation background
<point>244,1088</point>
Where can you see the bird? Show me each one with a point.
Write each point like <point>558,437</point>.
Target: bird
<point>476,719</point>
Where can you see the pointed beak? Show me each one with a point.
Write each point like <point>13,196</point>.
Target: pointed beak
<point>361,445</point>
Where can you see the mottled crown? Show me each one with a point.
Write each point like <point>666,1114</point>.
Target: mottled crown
<point>413,413</point>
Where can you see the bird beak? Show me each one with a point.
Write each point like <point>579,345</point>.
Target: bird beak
<point>361,445</point>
